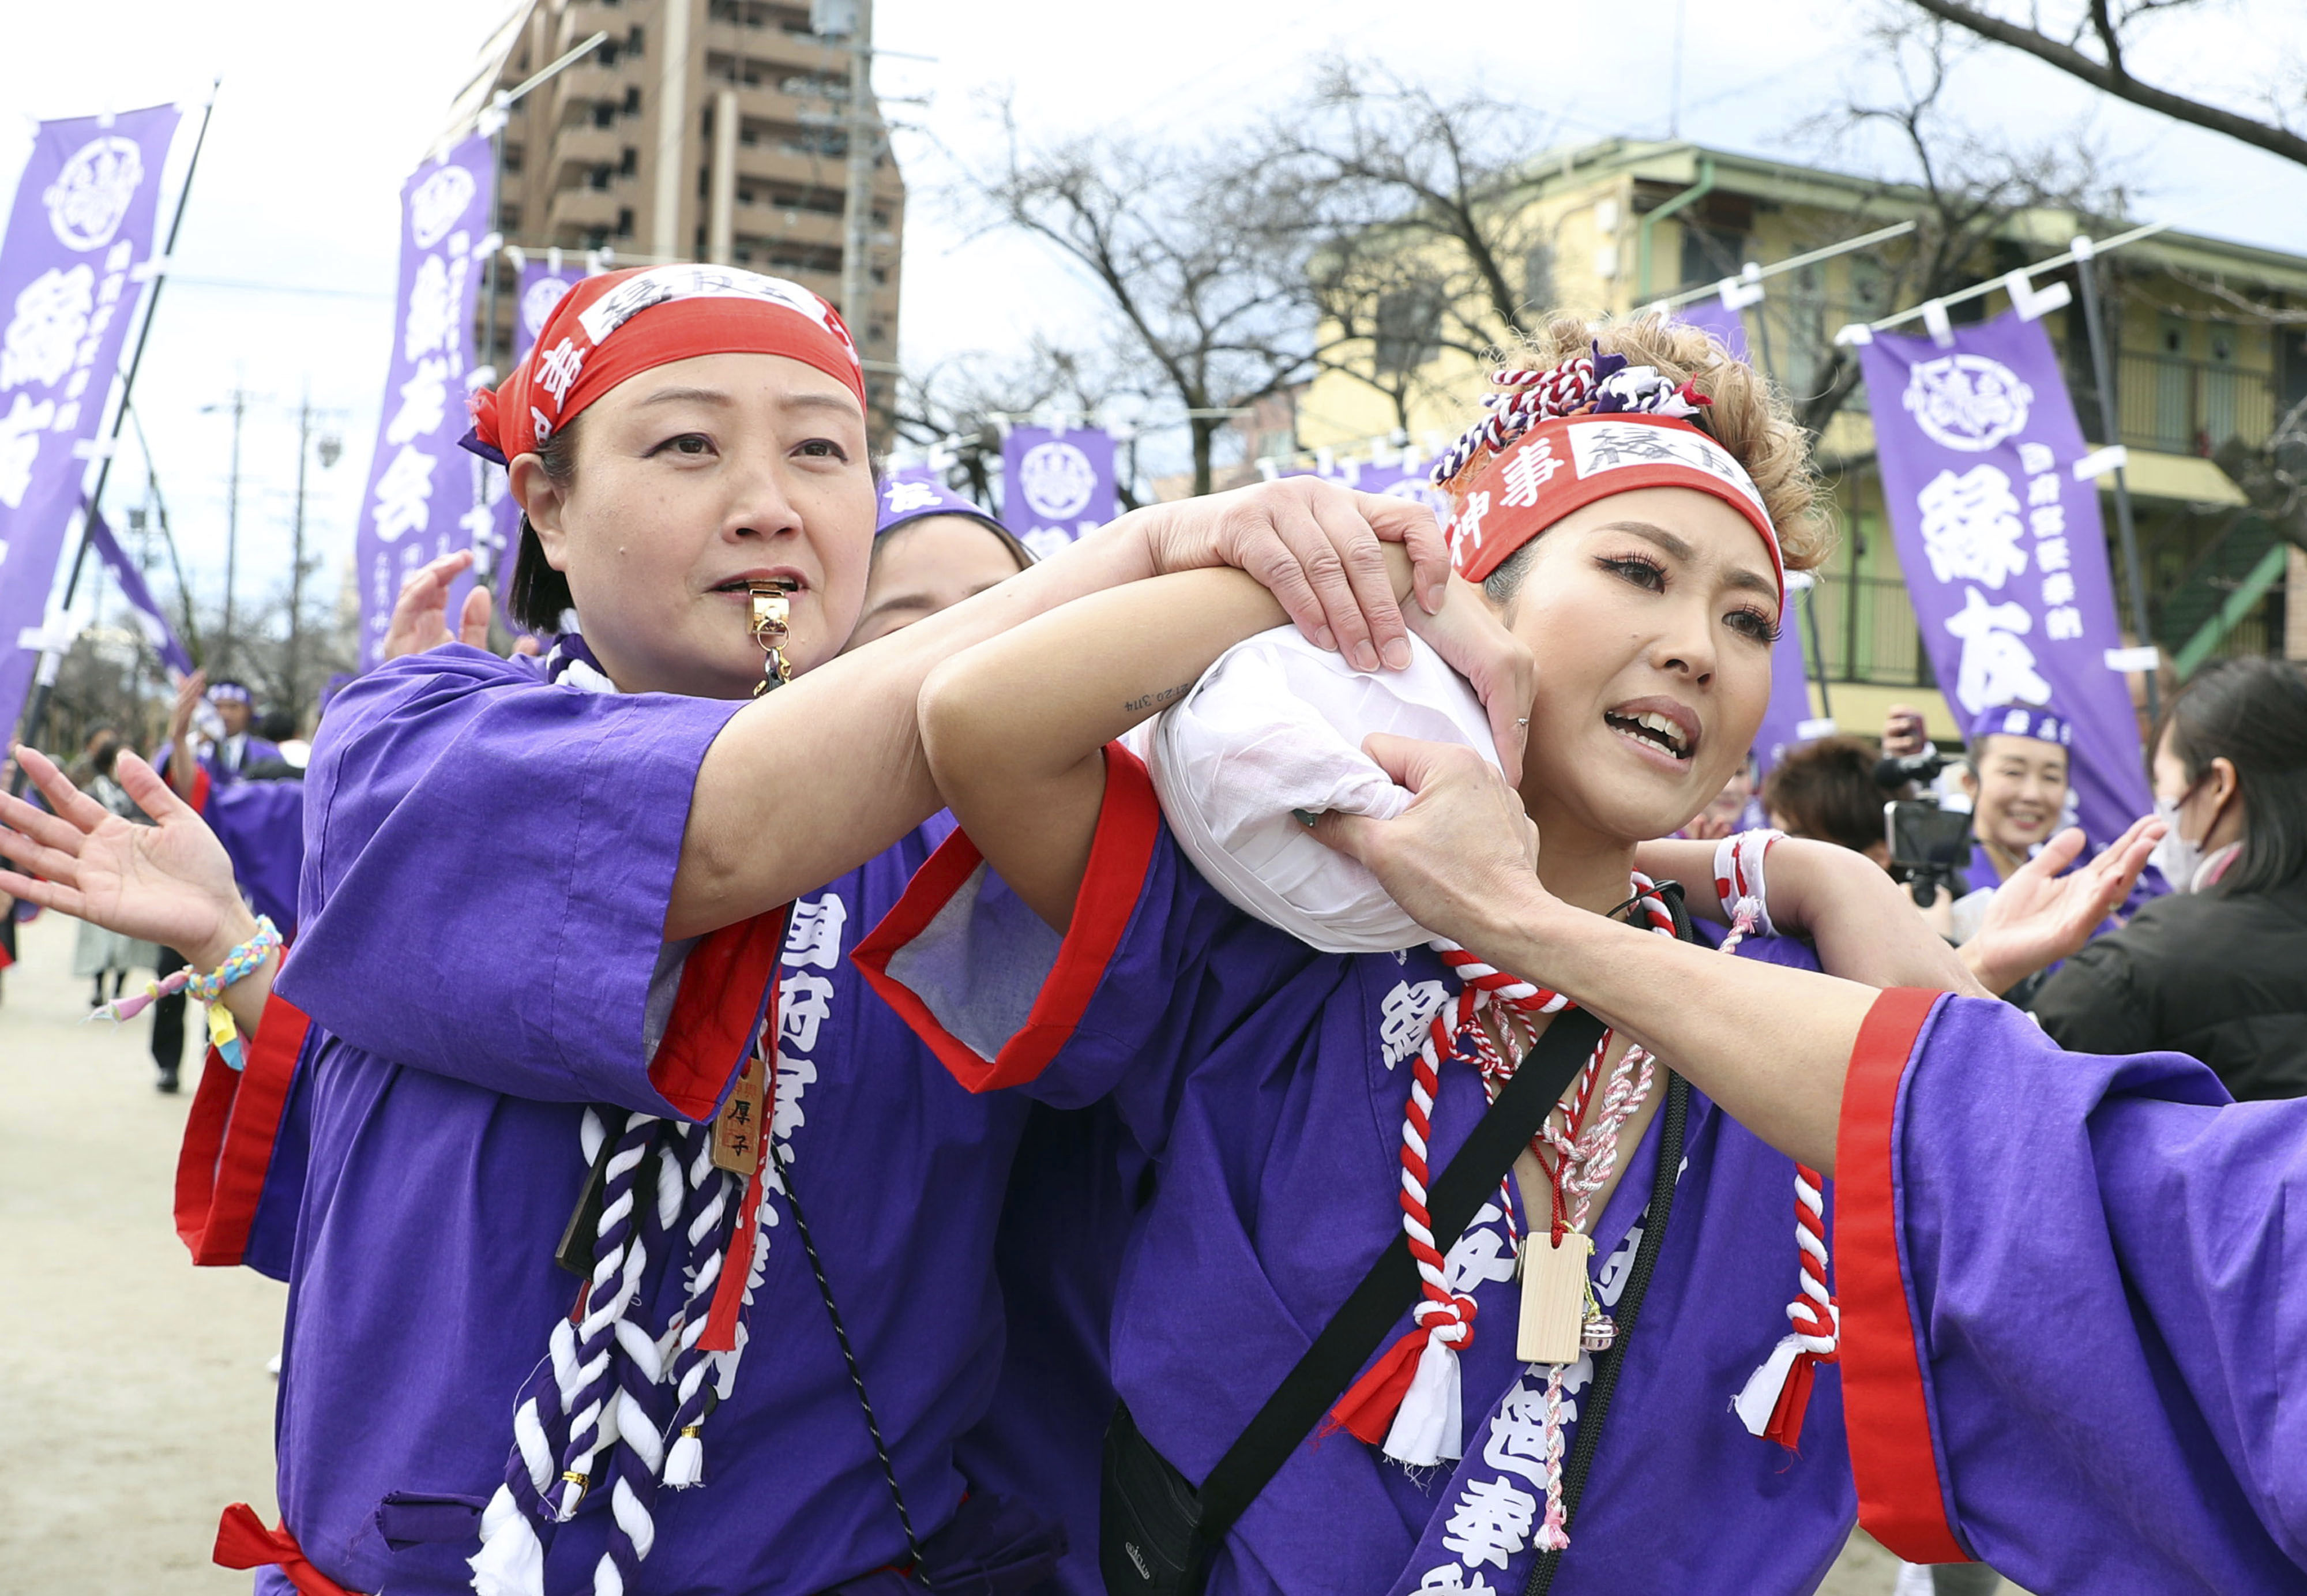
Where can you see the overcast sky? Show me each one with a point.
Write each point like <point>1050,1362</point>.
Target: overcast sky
<point>285,269</point>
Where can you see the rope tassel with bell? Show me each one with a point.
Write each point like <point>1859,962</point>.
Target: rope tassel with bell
<point>772,629</point>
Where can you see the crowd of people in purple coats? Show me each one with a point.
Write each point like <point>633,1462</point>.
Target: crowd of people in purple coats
<point>1237,1057</point>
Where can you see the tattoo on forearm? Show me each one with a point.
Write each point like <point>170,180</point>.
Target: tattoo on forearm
<point>1155,700</point>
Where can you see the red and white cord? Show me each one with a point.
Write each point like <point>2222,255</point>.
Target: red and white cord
<point>1776,1395</point>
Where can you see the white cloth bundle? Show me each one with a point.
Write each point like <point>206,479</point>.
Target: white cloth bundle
<point>1277,725</point>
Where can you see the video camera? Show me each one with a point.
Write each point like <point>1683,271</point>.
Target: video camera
<point>1894,774</point>
<point>1928,844</point>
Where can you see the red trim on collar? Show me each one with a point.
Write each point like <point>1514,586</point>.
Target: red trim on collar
<point>724,984</point>
<point>1902,1497</point>
<point>230,1135</point>
<point>1129,820</point>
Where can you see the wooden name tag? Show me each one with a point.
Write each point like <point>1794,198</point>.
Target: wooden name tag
<point>1553,1297</point>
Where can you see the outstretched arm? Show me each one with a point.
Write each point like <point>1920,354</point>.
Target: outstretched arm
<point>169,883</point>
<point>809,780</point>
<point>1770,1045</point>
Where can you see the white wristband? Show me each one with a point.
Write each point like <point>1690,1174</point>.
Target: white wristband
<point>1738,881</point>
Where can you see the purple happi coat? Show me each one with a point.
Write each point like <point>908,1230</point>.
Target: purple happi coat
<point>488,862</point>
<point>1266,1081</point>
<point>2073,1318</point>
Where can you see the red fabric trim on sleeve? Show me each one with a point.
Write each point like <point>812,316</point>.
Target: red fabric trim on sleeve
<point>1885,1412</point>
<point>202,787</point>
<point>707,1038</point>
<point>229,1133</point>
<point>1128,819</point>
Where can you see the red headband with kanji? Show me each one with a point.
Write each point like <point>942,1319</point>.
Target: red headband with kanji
<point>620,324</point>
<point>1558,440</point>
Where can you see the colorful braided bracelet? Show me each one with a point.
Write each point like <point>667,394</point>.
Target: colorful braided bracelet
<point>208,989</point>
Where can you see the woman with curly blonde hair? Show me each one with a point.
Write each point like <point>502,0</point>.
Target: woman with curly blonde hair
<point>1302,1062</point>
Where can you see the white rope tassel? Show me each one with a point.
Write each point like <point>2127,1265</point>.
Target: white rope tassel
<point>1429,1428</point>
<point>512,1559</point>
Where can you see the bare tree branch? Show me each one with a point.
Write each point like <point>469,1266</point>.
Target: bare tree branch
<point>2111,75</point>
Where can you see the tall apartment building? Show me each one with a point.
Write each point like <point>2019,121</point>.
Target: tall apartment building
<point>706,129</point>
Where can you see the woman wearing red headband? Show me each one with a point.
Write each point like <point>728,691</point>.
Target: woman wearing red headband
<point>545,920</point>
<point>1269,1079</point>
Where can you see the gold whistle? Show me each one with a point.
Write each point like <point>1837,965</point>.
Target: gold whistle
<point>772,616</point>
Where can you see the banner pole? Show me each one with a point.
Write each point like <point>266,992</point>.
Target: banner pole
<point>2086,254</point>
<point>44,681</point>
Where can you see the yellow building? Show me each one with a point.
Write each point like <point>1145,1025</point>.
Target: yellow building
<point>1626,223</point>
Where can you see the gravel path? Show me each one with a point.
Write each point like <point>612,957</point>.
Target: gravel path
<point>137,1402</point>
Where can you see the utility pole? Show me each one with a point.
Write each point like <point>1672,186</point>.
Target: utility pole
<point>330,448</point>
<point>238,405</point>
<point>294,673</point>
<point>864,151</point>
<point>2103,373</point>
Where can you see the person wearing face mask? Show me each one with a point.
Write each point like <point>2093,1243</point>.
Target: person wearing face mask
<point>1146,924</point>
<point>2218,967</point>
<point>548,914</point>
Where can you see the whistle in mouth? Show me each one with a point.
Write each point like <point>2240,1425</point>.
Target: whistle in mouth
<point>772,616</point>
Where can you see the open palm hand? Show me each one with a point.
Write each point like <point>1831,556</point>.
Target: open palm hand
<point>2038,916</point>
<point>171,883</point>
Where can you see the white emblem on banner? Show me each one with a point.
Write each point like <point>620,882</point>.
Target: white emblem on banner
<point>91,194</point>
<point>438,204</point>
<point>1967,401</point>
<point>1056,480</point>
<point>51,317</point>
<point>1599,446</point>
<point>537,300</point>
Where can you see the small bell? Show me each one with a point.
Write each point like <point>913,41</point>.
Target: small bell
<point>1596,1332</point>
<point>772,612</point>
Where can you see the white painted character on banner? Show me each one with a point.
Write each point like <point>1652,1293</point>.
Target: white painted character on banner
<point>432,319</point>
<point>424,402</point>
<point>1454,1579</point>
<point>1517,1440</point>
<point>1971,527</point>
<point>1997,667</point>
<point>19,446</point>
<point>46,328</point>
<point>404,494</point>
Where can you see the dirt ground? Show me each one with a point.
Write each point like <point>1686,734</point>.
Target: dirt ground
<point>137,1400</point>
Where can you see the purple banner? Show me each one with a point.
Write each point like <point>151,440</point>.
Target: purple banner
<point>426,495</point>
<point>1056,486</point>
<point>541,285</point>
<point>1789,708</point>
<point>2003,548</point>
<point>86,208</point>
<point>1711,315</point>
<point>150,619</point>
